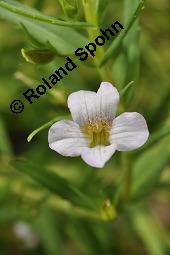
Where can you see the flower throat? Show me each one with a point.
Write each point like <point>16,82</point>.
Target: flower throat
<point>97,133</point>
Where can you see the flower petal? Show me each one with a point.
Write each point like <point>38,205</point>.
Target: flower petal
<point>88,106</point>
<point>97,156</point>
<point>82,106</point>
<point>108,99</point>
<point>129,131</point>
<point>66,138</point>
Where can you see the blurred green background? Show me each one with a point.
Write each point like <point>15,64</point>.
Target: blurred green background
<point>53,205</point>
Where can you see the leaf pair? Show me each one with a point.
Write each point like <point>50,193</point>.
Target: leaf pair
<point>59,34</point>
<point>26,12</point>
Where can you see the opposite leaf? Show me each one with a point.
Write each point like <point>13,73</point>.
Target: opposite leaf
<point>63,39</point>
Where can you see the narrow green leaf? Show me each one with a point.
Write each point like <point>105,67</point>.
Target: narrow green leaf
<point>148,168</point>
<point>131,48</point>
<point>25,11</point>
<point>54,183</point>
<point>62,38</point>
<point>45,126</point>
<point>119,70</point>
<point>126,88</point>
<point>116,45</point>
<point>30,37</point>
<point>148,230</point>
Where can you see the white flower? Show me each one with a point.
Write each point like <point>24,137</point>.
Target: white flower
<point>24,232</point>
<point>95,133</point>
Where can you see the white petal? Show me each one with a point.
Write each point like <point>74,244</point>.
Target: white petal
<point>129,131</point>
<point>82,106</point>
<point>98,155</point>
<point>66,138</point>
<point>108,99</point>
<point>89,106</point>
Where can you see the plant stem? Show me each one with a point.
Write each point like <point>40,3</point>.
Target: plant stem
<point>127,178</point>
<point>90,10</point>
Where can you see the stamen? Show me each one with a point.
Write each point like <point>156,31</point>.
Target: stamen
<point>97,132</point>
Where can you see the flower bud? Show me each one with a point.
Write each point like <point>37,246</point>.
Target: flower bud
<point>108,211</point>
<point>38,56</point>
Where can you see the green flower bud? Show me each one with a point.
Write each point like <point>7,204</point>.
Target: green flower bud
<point>38,56</point>
<point>108,211</point>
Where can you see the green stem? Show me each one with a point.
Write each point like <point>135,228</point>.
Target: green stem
<point>90,10</point>
<point>127,178</point>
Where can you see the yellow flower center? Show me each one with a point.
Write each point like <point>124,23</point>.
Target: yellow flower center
<point>97,133</point>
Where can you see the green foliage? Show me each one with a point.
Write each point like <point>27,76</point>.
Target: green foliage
<point>72,208</point>
<point>48,232</point>
<point>49,31</point>
<point>126,88</point>
<point>148,167</point>
<point>149,230</point>
<point>115,48</point>
<point>47,125</point>
<point>54,183</point>
<point>5,146</point>
<point>23,11</point>
<point>68,9</point>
